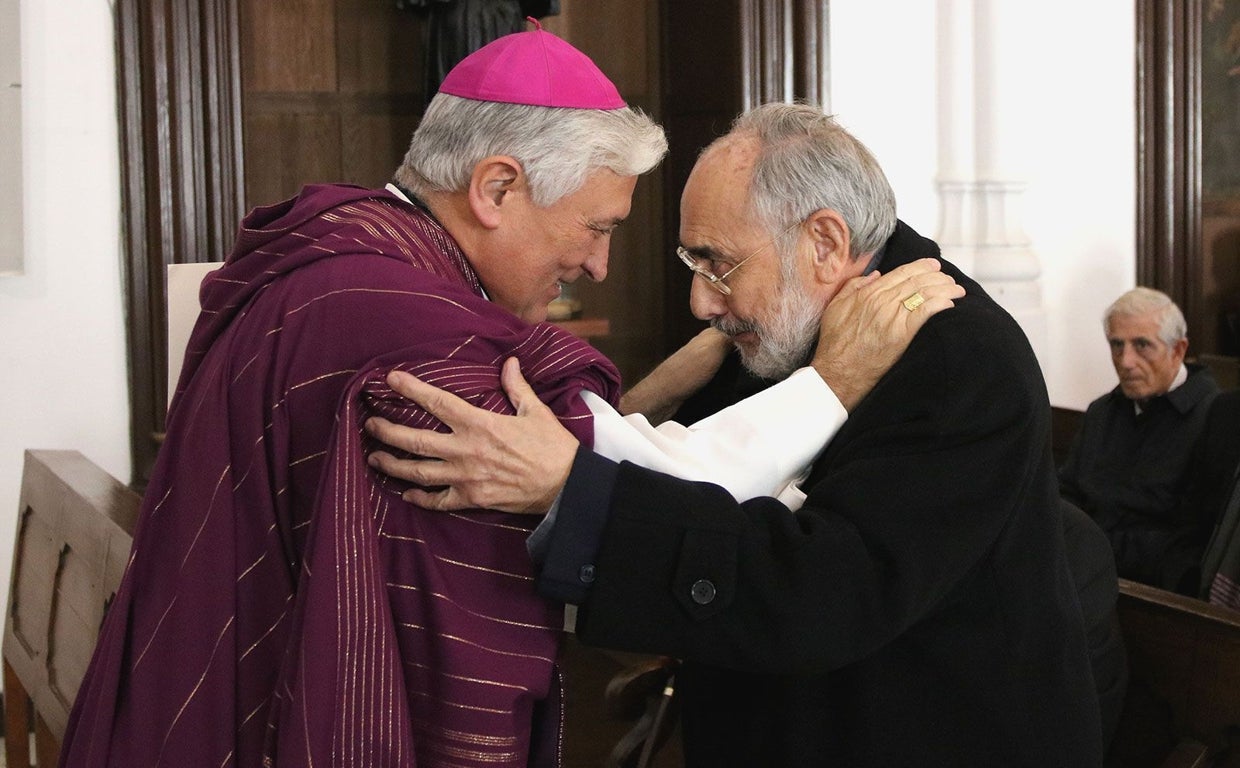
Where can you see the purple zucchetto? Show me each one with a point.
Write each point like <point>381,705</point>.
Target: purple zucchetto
<point>535,68</point>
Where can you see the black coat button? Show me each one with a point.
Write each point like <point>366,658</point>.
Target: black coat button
<point>586,574</point>
<point>702,591</point>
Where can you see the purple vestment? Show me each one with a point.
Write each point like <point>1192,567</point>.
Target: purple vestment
<point>283,606</point>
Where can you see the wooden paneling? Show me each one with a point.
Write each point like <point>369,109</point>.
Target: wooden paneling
<point>289,150</point>
<point>615,34</point>
<point>1168,160</point>
<point>180,132</point>
<point>621,36</point>
<point>1184,678</point>
<point>288,45</point>
<point>1187,242</point>
<point>372,145</point>
<point>341,107</point>
<point>1220,284</point>
<point>380,50</point>
<point>703,92</point>
<point>320,91</point>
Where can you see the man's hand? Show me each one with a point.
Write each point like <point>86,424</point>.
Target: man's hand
<point>688,369</point>
<point>510,463</point>
<point>867,326</point>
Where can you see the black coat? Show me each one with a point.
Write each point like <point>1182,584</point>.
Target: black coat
<point>917,611</point>
<point>1132,475</point>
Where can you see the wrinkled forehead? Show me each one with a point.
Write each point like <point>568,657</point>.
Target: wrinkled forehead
<point>1136,328</point>
<point>606,195</point>
<point>715,203</point>
<point>1128,327</point>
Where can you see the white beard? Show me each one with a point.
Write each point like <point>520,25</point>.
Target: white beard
<point>784,342</point>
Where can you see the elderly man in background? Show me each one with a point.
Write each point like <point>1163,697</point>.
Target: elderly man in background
<point>1131,464</point>
<point>913,606</point>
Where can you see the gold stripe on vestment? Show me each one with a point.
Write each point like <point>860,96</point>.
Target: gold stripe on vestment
<point>475,614</point>
<point>194,692</point>
<point>466,738</point>
<point>207,516</point>
<point>459,705</point>
<point>464,678</point>
<point>472,754</point>
<point>497,651</point>
<point>154,632</point>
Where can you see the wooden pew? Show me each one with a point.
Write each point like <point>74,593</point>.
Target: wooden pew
<point>1182,708</point>
<point>74,533</point>
<point>1183,701</point>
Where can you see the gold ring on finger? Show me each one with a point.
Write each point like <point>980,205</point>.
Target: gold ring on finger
<point>913,301</point>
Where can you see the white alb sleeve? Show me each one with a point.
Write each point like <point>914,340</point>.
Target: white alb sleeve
<point>761,446</point>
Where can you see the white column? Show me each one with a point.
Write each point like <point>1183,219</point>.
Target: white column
<point>982,62</point>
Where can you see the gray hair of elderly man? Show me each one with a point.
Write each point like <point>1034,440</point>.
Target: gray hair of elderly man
<point>1143,301</point>
<point>556,147</point>
<point>806,162</point>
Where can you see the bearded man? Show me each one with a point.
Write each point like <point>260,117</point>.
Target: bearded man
<point>917,609</point>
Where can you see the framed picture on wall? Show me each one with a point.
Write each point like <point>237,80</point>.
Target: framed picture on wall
<point>1188,163</point>
<point>1219,63</point>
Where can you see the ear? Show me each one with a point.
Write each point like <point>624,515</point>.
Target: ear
<point>491,185</point>
<point>1179,349</point>
<point>832,242</point>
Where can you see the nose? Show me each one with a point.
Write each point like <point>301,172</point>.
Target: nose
<point>595,265</point>
<point>705,302</point>
<point>1127,357</point>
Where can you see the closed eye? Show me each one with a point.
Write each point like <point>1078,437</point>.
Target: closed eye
<point>712,260</point>
<point>603,229</point>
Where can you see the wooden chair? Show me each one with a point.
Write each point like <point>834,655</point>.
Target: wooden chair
<point>1183,703</point>
<point>74,533</point>
<point>642,694</point>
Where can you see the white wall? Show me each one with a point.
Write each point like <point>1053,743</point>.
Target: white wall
<point>10,139</point>
<point>62,339</point>
<point>1080,160</point>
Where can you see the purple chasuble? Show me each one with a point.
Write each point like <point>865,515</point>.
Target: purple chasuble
<point>282,605</point>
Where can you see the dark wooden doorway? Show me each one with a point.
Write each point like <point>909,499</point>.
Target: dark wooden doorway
<point>228,104</point>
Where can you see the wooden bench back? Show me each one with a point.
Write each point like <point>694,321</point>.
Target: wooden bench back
<point>1183,702</point>
<point>74,534</point>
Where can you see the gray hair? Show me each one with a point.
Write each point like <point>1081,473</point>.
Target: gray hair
<point>1143,301</point>
<point>806,161</point>
<point>557,148</point>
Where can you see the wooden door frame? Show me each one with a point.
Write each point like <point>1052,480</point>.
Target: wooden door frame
<point>179,106</point>
<point>1168,154</point>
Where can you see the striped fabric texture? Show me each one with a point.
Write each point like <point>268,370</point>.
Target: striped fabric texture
<point>283,606</point>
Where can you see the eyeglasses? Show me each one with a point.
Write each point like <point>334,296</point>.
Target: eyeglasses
<point>717,281</point>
